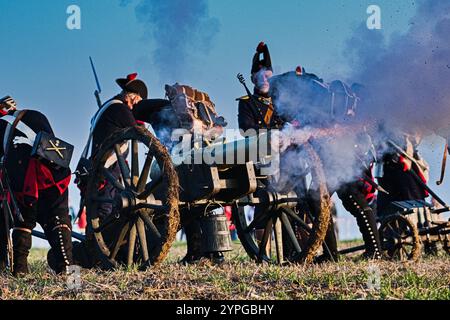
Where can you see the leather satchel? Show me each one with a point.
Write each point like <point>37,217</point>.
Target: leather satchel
<point>53,150</point>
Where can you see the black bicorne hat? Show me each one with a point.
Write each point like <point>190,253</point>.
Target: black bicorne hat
<point>266,62</point>
<point>133,85</point>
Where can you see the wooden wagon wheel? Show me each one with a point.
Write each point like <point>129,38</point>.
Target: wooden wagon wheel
<point>400,238</point>
<point>131,217</point>
<point>297,236</point>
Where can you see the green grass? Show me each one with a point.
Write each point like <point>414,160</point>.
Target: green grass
<point>239,278</point>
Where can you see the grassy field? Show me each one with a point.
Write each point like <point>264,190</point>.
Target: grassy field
<point>240,278</point>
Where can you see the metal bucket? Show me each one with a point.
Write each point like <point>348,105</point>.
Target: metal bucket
<point>216,234</point>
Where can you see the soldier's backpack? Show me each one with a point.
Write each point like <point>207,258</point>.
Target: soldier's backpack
<point>343,100</point>
<point>193,108</point>
<point>310,99</point>
<point>46,147</point>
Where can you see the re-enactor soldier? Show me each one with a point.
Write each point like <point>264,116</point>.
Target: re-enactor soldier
<point>39,187</point>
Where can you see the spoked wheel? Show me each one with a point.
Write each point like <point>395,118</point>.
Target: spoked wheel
<point>132,218</point>
<point>400,238</point>
<point>279,234</point>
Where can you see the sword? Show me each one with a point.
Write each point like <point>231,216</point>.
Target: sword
<point>99,89</point>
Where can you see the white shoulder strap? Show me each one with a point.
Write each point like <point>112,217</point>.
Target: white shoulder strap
<point>30,135</point>
<point>94,122</point>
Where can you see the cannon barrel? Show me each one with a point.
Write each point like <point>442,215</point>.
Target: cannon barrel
<point>257,149</point>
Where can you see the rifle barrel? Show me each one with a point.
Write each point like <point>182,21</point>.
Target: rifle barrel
<point>95,75</point>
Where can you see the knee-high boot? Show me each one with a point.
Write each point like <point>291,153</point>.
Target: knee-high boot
<point>60,255</point>
<point>367,224</point>
<point>21,248</point>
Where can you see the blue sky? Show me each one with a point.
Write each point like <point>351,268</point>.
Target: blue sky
<point>45,66</point>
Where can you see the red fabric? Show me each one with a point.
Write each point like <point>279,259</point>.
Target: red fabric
<point>368,189</point>
<point>260,48</point>
<point>404,163</point>
<point>82,222</point>
<point>416,170</point>
<point>39,177</point>
<point>422,177</point>
<point>132,76</point>
<point>228,215</point>
<point>102,185</point>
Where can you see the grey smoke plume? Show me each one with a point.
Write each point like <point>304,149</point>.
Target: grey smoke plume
<point>406,89</point>
<point>408,78</point>
<point>339,139</point>
<point>182,31</point>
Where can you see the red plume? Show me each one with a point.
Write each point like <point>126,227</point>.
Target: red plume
<point>260,48</point>
<point>132,76</point>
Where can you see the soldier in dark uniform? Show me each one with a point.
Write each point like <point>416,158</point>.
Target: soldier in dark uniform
<point>119,112</point>
<point>41,191</point>
<point>357,197</point>
<point>396,178</point>
<point>127,109</point>
<point>256,111</point>
<point>312,97</point>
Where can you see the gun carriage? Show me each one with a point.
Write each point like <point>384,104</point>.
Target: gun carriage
<point>408,227</point>
<point>153,194</point>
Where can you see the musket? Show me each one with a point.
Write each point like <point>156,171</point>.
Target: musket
<point>99,89</point>
<point>242,81</point>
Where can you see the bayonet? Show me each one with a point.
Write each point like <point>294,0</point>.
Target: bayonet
<point>99,89</point>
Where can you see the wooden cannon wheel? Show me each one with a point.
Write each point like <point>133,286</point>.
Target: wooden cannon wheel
<point>399,238</point>
<point>298,234</point>
<point>131,218</point>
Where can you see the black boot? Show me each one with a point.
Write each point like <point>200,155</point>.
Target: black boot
<point>81,255</point>
<point>215,257</point>
<point>367,224</point>
<point>21,248</point>
<point>368,227</point>
<point>59,256</point>
<point>194,243</point>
